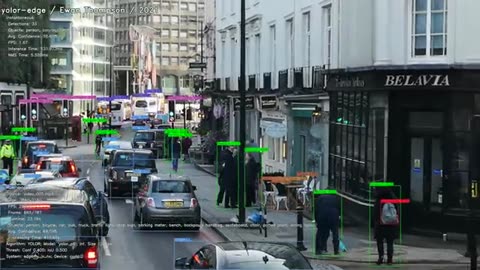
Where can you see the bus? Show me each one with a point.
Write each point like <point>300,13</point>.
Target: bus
<point>121,111</point>
<point>145,106</point>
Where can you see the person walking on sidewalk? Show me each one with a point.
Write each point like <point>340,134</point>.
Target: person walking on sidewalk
<point>186,143</point>
<point>98,144</point>
<point>221,178</point>
<point>176,149</point>
<point>230,178</point>
<point>7,154</point>
<point>251,179</point>
<point>385,223</point>
<point>327,218</point>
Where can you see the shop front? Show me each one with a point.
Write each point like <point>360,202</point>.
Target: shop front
<point>410,127</point>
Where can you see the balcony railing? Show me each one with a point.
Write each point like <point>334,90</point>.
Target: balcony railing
<point>252,83</point>
<point>307,77</point>
<point>227,84</point>
<point>290,78</point>
<point>283,79</point>
<point>267,81</point>
<point>318,78</point>
<point>298,78</point>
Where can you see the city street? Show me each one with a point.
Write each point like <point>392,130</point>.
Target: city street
<point>129,248</point>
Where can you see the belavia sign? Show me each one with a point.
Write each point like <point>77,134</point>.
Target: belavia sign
<point>417,80</point>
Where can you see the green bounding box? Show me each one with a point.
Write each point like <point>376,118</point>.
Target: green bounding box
<point>382,184</point>
<point>106,132</point>
<point>23,129</point>
<point>228,143</point>
<point>178,132</point>
<point>94,120</point>
<point>10,137</point>
<point>256,149</point>
<point>324,191</point>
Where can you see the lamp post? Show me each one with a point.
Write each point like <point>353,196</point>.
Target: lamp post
<point>241,157</point>
<point>110,91</point>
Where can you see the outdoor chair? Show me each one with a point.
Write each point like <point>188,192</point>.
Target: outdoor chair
<point>267,194</point>
<point>278,199</point>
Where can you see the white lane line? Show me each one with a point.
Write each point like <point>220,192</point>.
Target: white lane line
<point>88,171</point>
<point>128,201</point>
<point>106,249</point>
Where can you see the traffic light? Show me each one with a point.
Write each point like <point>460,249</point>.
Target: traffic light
<point>23,112</point>
<point>171,111</point>
<point>189,114</point>
<point>65,112</point>
<point>34,112</point>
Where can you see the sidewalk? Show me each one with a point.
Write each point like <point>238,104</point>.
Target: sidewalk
<point>414,249</point>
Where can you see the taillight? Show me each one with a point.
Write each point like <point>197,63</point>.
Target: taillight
<point>193,203</point>
<point>150,202</point>
<point>72,167</point>
<point>36,206</point>
<point>38,167</point>
<point>25,160</point>
<point>91,257</point>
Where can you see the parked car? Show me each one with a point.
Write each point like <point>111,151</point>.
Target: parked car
<point>128,170</point>
<point>97,200</point>
<point>168,199</point>
<point>65,165</point>
<point>34,149</point>
<point>59,213</point>
<point>245,255</point>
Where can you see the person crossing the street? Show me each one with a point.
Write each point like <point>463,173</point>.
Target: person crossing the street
<point>98,144</point>
<point>7,154</point>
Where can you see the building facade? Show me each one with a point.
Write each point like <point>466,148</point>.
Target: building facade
<point>178,27</point>
<point>404,111</point>
<point>286,58</point>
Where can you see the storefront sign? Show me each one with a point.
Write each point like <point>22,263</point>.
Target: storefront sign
<point>417,80</point>
<point>268,102</point>
<point>350,82</point>
<point>249,103</point>
<point>276,130</point>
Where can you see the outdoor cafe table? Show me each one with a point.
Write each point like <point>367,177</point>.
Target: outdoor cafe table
<point>291,184</point>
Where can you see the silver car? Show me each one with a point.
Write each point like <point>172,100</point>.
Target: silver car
<point>167,201</point>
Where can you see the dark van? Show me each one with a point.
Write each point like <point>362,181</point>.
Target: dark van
<point>46,227</point>
<point>151,139</point>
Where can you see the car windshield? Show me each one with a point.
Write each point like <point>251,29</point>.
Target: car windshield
<point>40,148</point>
<point>137,160</point>
<point>144,136</point>
<point>141,104</point>
<point>116,107</point>
<point>61,167</point>
<point>171,186</point>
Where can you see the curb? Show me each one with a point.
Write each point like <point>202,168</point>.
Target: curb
<point>216,230</point>
<point>202,169</point>
<point>67,147</point>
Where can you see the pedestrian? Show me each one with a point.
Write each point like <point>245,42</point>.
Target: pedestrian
<point>98,144</point>
<point>327,219</point>
<point>385,223</point>
<point>187,142</point>
<point>251,179</point>
<point>221,181</point>
<point>257,157</point>
<point>7,154</point>
<point>176,150</point>
<point>230,178</point>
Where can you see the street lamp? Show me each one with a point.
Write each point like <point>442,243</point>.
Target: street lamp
<point>242,89</point>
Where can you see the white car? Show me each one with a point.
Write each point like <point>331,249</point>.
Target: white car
<point>114,145</point>
<point>23,179</point>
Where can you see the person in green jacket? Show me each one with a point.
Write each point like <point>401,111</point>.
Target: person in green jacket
<point>7,154</point>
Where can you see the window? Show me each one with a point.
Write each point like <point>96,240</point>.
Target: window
<point>174,47</point>
<point>183,47</point>
<point>175,19</point>
<point>233,52</point>
<point>184,6</point>
<point>165,47</point>
<point>165,33</point>
<point>223,66</point>
<point>183,61</point>
<point>192,47</point>
<point>257,55</point>
<point>306,38</point>
<point>174,33</point>
<point>429,28</point>
<point>165,61</point>
<point>183,19</point>
<point>192,34</point>
<point>165,19</point>
<point>183,34</point>
<point>170,187</point>
<point>192,7</point>
<point>327,13</point>
<point>174,60</point>
<point>273,50</point>
<point>290,43</point>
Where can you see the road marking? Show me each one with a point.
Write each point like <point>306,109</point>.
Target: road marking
<point>106,249</point>
<point>128,201</point>
<point>88,171</point>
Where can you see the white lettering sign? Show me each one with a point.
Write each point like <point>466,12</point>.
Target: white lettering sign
<point>417,80</point>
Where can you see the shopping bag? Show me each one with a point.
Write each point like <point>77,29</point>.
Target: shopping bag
<point>342,246</point>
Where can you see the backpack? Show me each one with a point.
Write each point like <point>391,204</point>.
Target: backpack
<point>389,215</point>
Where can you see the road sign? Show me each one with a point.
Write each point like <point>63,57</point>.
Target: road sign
<point>197,65</point>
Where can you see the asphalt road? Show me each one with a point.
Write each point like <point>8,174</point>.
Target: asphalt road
<point>130,248</point>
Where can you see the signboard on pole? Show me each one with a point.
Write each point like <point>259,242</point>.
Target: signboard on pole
<point>197,65</point>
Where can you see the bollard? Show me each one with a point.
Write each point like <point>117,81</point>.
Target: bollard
<point>300,245</point>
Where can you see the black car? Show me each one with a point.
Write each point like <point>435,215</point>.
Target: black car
<point>34,149</point>
<point>46,227</point>
<point>96,199</point>
<point>245,255</point>
<point>128,170</point>
<point>152,139</point>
